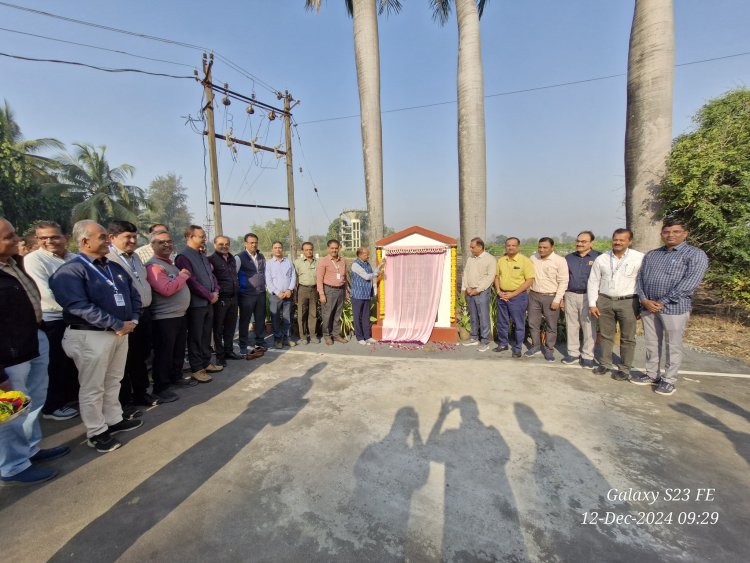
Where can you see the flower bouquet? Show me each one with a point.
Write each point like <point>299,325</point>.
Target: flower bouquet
<point>12,404</point>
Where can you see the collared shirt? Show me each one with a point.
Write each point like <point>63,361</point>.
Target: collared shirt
<point>330,272</point>
<point>280,275</point>
<point>306,270</point>
<point>132,265</point>
<point>551,275</point>
<point>253,257</point>
<point>10,267</point>
<point>579,269</point>
<point>671,276</point>
<point>82,286</point>
<point>614,276</point>
<point>479,272</point>
<point>40,265</point>
<point>514,272</point>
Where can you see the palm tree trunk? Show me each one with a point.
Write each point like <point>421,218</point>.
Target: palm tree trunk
<point>648,134</point>
<point>367,56</point>
<point>472,152</point>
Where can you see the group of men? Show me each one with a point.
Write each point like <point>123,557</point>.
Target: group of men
<point>79,329</point>
<point>617,287</point>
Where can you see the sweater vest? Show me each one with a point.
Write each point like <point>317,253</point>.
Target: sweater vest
<point>361,288</point>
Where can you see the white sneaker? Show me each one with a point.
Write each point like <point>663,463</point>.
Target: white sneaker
<point>63,413</point>
<point>362,342</point>
<point>372,341</point>
<point>472,342</point>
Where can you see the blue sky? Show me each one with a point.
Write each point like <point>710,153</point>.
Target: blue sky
<point>555,156</point>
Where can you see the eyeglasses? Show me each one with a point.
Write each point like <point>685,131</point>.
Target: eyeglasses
<point>53,237</point>
<point>578,241</point>
<point>164,242</point>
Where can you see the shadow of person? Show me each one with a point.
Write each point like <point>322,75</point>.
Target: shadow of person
<point>480,515</point>
<point>388,473</point>
<point>726,404</point>
<point>111,534</point>
<point>567,486</point>
<point>740,440</point>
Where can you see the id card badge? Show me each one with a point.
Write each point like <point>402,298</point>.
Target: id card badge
<point>119,299</point>
<point>338,276</point>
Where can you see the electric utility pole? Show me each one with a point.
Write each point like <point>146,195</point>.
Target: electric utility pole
<point>209,110</point>
<point>290,174</point>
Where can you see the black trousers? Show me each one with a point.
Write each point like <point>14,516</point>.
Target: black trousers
<point>199,327</point>
<point>169,337</point>
<point>225,321</point>
<point>252,306</point>
<point>63,375</point>
<point>135,380</point>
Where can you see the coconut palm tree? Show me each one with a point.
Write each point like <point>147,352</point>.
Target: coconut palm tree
<point>472,152</point>
<point>367,60</point>
<point>10,132</point>
<point>104,195</point>
<point>648,133</point>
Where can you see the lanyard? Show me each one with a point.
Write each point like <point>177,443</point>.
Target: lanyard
<point>620,263</point>
<point>110,280</point>
<point>132,265</point>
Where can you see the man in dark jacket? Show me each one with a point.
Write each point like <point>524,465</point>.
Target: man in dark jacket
<point>204,292</point>
<point>24,356</point>
<point>225,309</point>
<point>251,272</point>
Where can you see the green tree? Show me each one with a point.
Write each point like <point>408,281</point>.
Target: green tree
<point>648,133</point>
<point>166,203</point>
<point>270,231</point>
<point>708,186</point>
<point>472,152</point>
<point>24,175</point>
<point>86,174</point>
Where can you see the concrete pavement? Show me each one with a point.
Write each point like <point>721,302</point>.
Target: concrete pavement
<point>348,453</point>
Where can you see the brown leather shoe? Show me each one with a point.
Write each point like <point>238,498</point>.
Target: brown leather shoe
<point>202,376</point>
<point>211,368</point>
<point>328,340</point>
<point>340,339</point>
<point>254,355</point>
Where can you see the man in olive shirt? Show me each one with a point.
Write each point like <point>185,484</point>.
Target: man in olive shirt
<point>515,274</point>
<point>307,293</point>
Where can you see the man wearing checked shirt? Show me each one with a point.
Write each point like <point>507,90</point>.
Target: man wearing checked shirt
<point>668,277</point>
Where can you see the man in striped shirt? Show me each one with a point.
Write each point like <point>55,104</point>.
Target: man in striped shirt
<point>668,277</point>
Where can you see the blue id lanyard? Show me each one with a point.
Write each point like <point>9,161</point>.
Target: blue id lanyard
<point>110,280</point>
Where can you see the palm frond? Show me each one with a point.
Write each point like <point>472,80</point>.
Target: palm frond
<point>441,10</point>
<point>389,7</point>
<point>312,5</point>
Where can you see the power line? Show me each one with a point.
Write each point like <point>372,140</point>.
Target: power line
<point>94,47</point>
<point>524,90</point>
<point>105,69</point>
<point>227,61</point>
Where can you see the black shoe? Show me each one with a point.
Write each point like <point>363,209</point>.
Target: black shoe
<point>185,382</point>
<point>125,426</point>
<point>232,356</point>
<point>104,442</point>
<point>620,375</point>
<point>167,396</point>
<point>221,362</point>
<point>517,354</point>
<point>129,412</point>
<point>146,400</point>
<point>501,349</point>
<point>49,454</point>
<point>600,370</point>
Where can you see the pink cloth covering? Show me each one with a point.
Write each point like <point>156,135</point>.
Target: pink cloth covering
<point>413,283</point>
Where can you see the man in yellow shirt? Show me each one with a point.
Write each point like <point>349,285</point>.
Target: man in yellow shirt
<point>515,274</point>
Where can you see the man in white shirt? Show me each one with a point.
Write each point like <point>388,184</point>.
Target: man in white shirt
<point>476,283</point>
<point>63,375</point>
<point>612,299</point>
